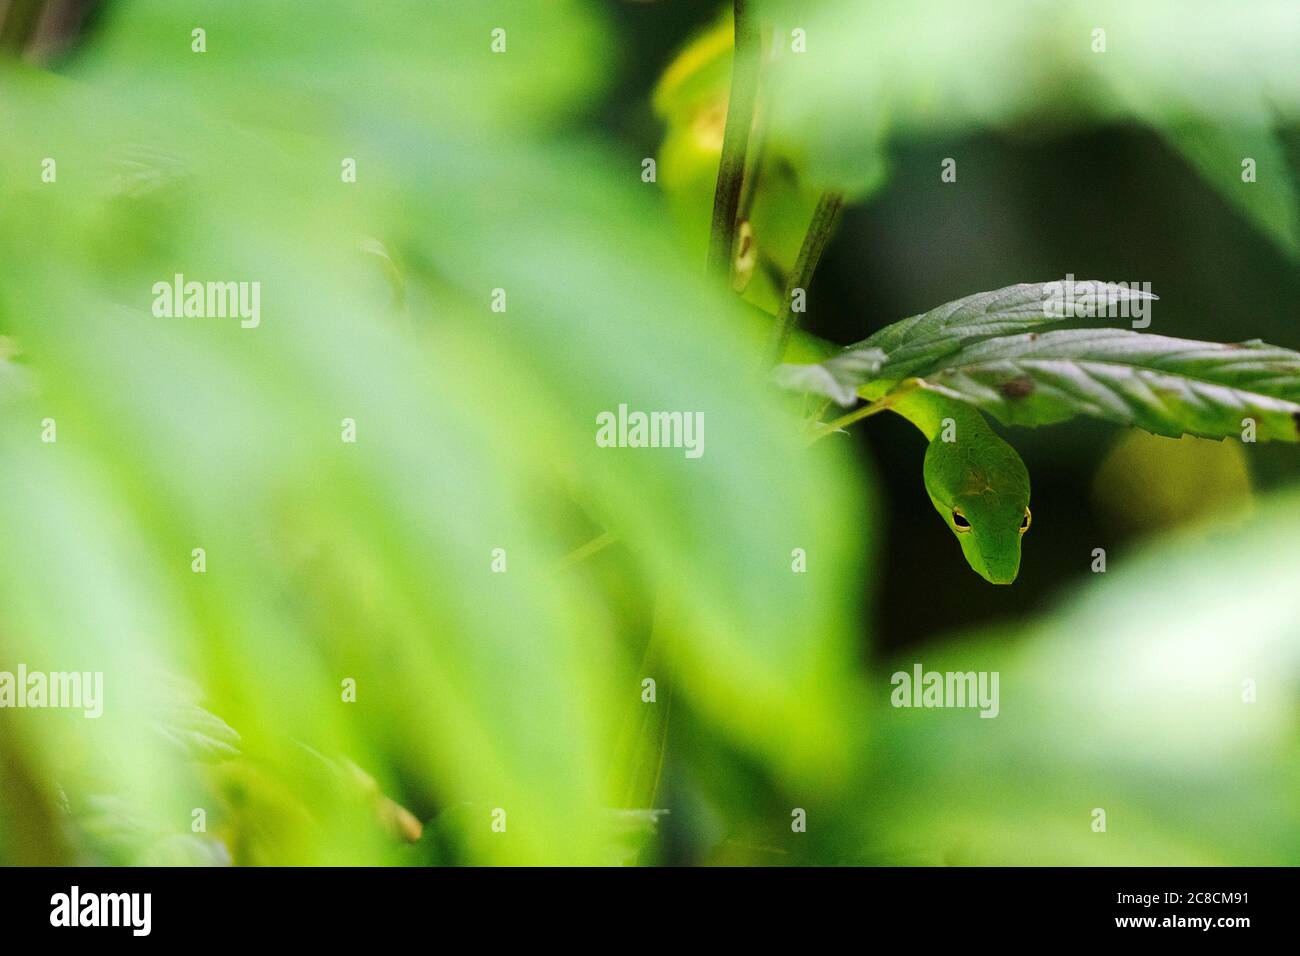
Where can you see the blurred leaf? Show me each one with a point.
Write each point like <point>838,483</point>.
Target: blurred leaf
<point>347,68</point>
<point>116,833</point>
<point>202,735</point>
<point>1131,698</point>
<point>1181,481</point>
<point>1270,201</point>
<point>838,377</point>
<point>372,561</point>
<point>944,66</point>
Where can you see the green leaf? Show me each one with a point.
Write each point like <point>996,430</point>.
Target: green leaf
<point>1164,385</point>
<point>922,339</point>
<point>837,377</point>
<point>917,341</point>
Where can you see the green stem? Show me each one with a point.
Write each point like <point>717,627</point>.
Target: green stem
<point>864,411</point>
<point>824,219</point>
<point>745,62</point>
<point>757,149</point>
<point>598,543</point>
<point>20,22</point>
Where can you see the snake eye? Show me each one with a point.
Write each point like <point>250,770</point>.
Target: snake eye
<point>959,521</point>
<point>1024,525</point>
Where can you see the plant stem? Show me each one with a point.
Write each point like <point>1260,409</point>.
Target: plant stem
<point>598,543</point>
<point>757,150</point>
<point>863,411</point>
<point>745,62</point>
<point>19,23</point>
<point>824,219</point>
<point>747,55</point>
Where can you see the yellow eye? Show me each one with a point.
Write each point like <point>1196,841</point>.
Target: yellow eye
<point>1029,519</point>
<point>959,522</point>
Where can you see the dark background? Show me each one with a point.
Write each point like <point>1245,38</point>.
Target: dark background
<point>1113,203</point>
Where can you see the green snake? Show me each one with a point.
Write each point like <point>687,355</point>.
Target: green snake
<point>975,480</point>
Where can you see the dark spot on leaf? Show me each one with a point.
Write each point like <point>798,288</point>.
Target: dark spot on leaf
<point>1017,387</point>
<point>1295,417</point>
<point>1033,336</point>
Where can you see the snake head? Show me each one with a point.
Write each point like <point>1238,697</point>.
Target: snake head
<point>981,490</point>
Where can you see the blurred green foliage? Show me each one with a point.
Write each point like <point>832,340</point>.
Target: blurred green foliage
<point>1217,79</point>
<point>372,561</point>
<point>1129,698</point>
<point>475,431</point>
<point>1181,481</point>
